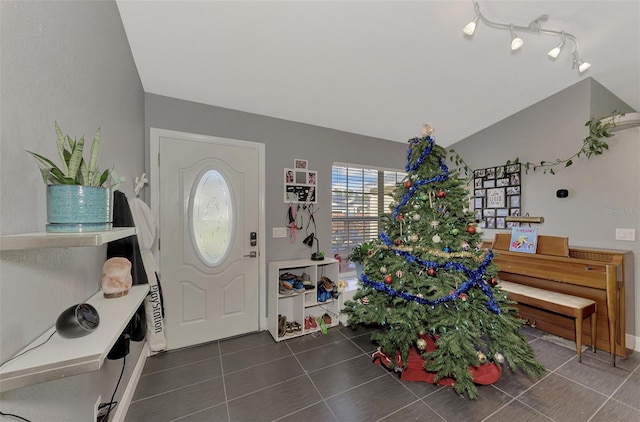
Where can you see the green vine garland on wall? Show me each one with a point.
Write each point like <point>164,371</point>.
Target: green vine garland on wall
<point>594,144</point>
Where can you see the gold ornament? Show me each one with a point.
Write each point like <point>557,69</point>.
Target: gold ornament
<point>482,358</point>
<point>421,344</point>
<point>427,129</point>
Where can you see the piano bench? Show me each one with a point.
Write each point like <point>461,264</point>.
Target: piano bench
<point>575,307</point>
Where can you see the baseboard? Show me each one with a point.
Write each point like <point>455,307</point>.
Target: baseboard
<point>632,342</point>
<point>125,401</point>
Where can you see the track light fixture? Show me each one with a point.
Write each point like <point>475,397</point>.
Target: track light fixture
<point>535,27</point>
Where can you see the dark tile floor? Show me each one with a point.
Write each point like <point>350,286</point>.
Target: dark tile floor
<point>331,378</point>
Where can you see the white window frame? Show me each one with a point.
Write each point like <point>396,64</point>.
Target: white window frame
<point>348,269</point>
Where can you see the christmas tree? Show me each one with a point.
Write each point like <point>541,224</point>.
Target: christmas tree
<point>431,286</point>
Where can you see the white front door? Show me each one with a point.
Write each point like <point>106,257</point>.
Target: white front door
<point>209,216</point>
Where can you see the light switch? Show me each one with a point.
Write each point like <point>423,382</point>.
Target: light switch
<point>626,234</point>
<point>279,232</point>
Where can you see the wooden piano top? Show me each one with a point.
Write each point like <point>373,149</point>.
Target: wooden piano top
<point>554,260</point>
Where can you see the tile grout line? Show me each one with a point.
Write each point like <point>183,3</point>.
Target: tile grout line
<point>612,394</point>
<point>306,373</point>
<point>224,384</point>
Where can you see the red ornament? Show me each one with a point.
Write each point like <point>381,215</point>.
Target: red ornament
<point>398,242</point>
<point>400,217</point>
<point>441,194</point>
<point>388,279</point>
<point>431,272</point>
<point>408,184</point>
<point>370,252</point>
<point>493,281</point>
<point>471,229</point>
<point>463,297</point>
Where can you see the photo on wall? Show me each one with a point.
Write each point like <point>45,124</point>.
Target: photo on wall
<point>496,193</point>
<point>300,184</point>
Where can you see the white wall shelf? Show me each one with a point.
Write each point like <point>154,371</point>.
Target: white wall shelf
<point>60,357</point>
<point>298,306</point>
<point>62,240</point>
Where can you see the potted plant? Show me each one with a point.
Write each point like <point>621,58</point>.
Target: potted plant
<point>77,200</point>
<point>358,255</point>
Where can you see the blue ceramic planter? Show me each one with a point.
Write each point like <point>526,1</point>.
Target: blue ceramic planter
<point>74,209</point>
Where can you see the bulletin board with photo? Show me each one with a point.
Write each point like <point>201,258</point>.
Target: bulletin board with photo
<point>300,183</point>
<point>496,195</point>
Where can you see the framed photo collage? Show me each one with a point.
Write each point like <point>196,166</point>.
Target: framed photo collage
<point>496,195</point>
<point>300,183</point>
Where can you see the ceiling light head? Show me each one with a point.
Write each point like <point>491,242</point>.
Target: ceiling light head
<point>582,66</point>
<point>555,51</point>
<point>577,62</point>
<point>471,26</point>
<point>516,41</point>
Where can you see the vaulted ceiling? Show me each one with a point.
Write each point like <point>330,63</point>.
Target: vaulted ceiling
<point>378,68</point>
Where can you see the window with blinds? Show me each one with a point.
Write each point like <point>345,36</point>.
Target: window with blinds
<point>359,196</point>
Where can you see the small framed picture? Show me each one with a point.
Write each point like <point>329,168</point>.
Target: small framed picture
<point>288,176</point>
<point>502,212</point>
<point>501,223</point>
<point>495,198</point>
<point>489,184</point>
<point>300,164</point>
<point>514,201</point>
<point>489,212</point>
<point>491,223</point>
<point>502,182</point>
<point>311,178</point>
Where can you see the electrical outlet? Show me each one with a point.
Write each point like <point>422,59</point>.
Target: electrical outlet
<point>626,234</point>
<point>279,232</point>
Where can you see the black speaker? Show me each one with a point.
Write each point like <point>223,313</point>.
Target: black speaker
<point>562,193</point>
<point>77,321</point>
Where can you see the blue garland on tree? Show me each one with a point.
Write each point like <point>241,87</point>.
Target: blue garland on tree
<point>475,276</point>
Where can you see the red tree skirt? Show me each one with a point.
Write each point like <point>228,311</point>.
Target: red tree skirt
<point>484,374</point>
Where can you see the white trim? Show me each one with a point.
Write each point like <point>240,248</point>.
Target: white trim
<point>632,342</point>
<point>127,396</point>
<point>368,167</point>
<point>154,181</point>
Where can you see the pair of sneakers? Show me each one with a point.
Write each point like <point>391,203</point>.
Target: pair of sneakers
<point>327,289</point>
<point>310,323</point>
<point>290,283</point>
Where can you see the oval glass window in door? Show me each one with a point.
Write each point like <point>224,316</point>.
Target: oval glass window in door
<point>212,217</point>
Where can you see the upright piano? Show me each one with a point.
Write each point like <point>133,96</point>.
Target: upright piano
<point>597,274</point>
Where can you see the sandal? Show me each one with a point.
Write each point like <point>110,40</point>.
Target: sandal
<point>297,328</point>
<point>326,319</point>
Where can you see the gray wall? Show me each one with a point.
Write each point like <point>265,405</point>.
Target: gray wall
<point>67,61</point>
<point>604,191</point>
<point>284,141</point>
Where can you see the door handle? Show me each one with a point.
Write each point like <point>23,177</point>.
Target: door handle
<point>252,254</point>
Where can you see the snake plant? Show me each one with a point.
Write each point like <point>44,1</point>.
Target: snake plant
<point>74,169</point>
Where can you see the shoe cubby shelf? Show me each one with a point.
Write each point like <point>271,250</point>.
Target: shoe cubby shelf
<point>297,307</point>
<point>23,241</point>
<point>61,357</point>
